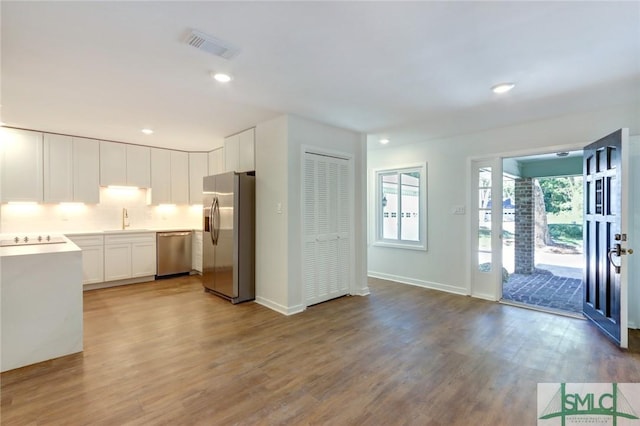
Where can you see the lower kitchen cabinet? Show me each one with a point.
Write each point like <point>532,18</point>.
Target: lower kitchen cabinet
<point>143,258</point>
<point>117,262</point>
<point>92,257</point>
<point>130,255</point>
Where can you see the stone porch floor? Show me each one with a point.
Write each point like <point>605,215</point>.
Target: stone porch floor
<point>546,290</point>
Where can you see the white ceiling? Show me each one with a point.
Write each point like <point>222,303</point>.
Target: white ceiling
<point>407,70</point>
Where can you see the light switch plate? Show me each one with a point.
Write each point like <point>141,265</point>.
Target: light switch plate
<point>458,210</point>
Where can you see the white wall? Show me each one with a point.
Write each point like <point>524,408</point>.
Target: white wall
<point>303,132</point>
<point>58,218</point>
<point>446,264</point>
<point>278,153</point>
<point>271,227</point>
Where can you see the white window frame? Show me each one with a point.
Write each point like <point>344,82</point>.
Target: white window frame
<point>421,244</point>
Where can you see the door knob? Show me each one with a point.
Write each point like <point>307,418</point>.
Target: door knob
<point>618,251</point>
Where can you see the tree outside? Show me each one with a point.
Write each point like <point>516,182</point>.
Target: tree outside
<point>559,224</point>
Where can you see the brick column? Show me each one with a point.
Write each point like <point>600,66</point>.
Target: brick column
<point>524,226</point>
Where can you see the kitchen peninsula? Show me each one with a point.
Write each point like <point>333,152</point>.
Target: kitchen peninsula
<point>41,299</point>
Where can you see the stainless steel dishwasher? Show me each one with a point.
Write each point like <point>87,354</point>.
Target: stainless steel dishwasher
<point>173,253</point>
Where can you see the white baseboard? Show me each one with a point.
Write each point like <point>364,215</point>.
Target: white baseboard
<point>281,309</point>
<point>489,297</point>
<point>116,283</point>
<point>419,283</point>
<point>364,291</point>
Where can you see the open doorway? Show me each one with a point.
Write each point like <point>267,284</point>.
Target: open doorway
<point>542,232</point>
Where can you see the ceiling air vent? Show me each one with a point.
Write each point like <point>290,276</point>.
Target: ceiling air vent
<point>212,45</point>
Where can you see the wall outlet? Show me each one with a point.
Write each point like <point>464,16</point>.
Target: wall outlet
<point>458,210</point>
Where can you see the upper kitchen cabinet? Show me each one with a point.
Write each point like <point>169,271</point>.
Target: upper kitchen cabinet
<point>113,163</point>
<point>71,169</point>
<point>21,161</point>
<point>231,146</point>
<point>239,151</point>
<point>160,176</point>
<point>246,151</point>
<point>139,166</point>
<point>216,161</point>
<point>179,177</point>
<point>86,170</point>
<point>58,168</point>
<point>197,170</point>
<point>124,164</point>
<point>169,177</point>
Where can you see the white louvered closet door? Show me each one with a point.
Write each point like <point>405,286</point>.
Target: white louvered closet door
<point>326,228</point>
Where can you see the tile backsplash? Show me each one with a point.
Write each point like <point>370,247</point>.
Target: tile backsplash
<point>106,215</point>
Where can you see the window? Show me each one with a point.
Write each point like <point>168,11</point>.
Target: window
<point>401,207</point>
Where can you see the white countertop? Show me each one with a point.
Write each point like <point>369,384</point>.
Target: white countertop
<point>34,249</point>
<point>129,231</point>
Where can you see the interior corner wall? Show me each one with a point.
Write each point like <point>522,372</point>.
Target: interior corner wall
<point>304,132</point>
<point>445,265</point>
<point>278,155</point>
<point>271,226</point>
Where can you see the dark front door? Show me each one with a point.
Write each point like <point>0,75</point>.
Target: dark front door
<point>603,237</point>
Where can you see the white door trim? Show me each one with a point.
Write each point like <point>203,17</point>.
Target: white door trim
<point>315,150</point>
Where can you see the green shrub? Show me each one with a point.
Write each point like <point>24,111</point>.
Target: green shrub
<point>565,231</point>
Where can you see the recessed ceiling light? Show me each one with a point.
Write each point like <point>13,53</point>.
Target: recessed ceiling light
<point>147,131</point>
<point>384,141</point>
<point>562,154</point>
<point>502,87</point>
<point>221,77</point>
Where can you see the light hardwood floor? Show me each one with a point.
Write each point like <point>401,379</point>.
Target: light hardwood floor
<point>168,353</point>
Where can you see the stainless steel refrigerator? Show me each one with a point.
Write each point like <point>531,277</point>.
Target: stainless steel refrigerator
<point>228,252</point>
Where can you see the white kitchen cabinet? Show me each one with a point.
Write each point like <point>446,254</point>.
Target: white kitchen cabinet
<point>117,262</point>
<point>129,255</point>
<point>92,257</point>
<point>197,170</point>
<point>86,170</point>
<point>58,168</point>
<point>231,146</point>
<point>138,166</point>
<point>216,161</point>
<point>179,177</point>
<point>143,258</point>
<point>21,163</point>
<point>160,176</point>
<point>113,164</point>
<point>169,177</point>
<point>239,152</point>
<point>71,169</point>
<point>196,251</point>
<point>246,151</point>
<point>124,165</point>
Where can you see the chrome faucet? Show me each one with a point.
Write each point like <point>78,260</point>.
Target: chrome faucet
<point>125,218</point>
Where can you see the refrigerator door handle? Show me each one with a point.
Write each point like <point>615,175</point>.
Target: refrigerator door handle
<point>211,225</point>
<point>216,214</point>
